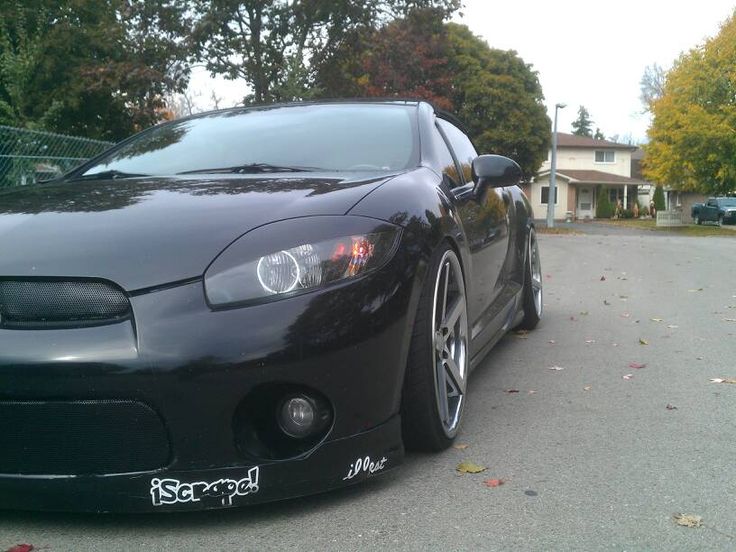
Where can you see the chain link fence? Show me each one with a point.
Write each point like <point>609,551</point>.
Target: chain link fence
<point>28,156</point>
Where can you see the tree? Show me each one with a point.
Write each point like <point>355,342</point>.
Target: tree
<point>582,125</point>
<point>276,46</point>
<point>652,85</point>
<point>97,68</point>
<point>603,207</point>
<point>375,65</point>
<point>659,203</point>
<point>499,98</point>
<point>598,134</point>
<point>692,140</point>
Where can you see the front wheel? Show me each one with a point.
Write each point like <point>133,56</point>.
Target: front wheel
<point>437,371</point>
<point>532,298</point>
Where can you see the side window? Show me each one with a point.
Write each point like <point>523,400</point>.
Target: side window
<point>449,168</point>
<point>462,146</point>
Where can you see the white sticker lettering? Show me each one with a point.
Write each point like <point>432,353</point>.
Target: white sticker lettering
<point>365,465</point>
<point>173,491</point>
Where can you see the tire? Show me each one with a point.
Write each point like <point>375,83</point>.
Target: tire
<point>532,300</point>
<point>437,371</point>
<point>720,221</point>
<point>697,220</point>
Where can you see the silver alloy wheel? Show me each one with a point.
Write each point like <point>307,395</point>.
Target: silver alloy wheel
<point>535,269</point>
<point>450,340</point>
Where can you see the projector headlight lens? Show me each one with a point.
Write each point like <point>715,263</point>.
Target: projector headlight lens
<point>304,267</point>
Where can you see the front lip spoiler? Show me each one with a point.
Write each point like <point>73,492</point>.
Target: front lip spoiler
<point>330,466</point>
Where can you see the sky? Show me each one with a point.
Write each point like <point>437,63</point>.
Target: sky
<point>586,53</point>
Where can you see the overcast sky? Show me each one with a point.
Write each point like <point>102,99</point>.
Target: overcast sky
<point>587,53</point>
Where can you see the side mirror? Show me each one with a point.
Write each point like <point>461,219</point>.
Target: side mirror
<point>494,171</point>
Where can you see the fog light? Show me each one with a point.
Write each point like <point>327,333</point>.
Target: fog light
<point>299,417</point>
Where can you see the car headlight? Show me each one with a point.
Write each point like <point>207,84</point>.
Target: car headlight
<point>295,256</point>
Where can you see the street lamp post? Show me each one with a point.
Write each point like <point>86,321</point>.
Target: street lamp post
<point>552,196</point>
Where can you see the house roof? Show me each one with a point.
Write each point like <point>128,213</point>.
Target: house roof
<point>565,140</point>
<point>576,176</point>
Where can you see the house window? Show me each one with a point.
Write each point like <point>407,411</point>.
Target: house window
<point>605,156</point>
<point>545,195</point>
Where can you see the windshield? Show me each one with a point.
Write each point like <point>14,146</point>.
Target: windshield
<point>728,202</point>
<point>310,137</point>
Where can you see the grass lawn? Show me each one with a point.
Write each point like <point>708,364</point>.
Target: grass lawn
<point>689,230</point>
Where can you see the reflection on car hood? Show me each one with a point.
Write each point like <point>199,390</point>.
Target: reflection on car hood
<point>145,232</point>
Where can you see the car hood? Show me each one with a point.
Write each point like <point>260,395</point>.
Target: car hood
<point>145,232</point>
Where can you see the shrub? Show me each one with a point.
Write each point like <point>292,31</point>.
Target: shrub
<point>603,208</point>
<point>644,212</point>
<point>627,214</point>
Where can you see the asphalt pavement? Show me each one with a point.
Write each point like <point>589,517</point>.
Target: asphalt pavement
<point>598,453</point>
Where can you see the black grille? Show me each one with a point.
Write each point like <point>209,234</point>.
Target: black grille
<point>80,437</point>
<point>59,303</point>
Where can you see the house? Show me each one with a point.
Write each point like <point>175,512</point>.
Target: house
<point>585,168</point>
<point>675,200</point>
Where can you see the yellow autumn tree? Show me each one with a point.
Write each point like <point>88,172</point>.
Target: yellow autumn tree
<point>692,143</point>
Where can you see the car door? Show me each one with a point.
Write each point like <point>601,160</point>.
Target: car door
<point>486,225</point>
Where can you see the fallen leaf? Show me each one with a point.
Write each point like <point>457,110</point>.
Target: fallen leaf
<point>512,391</point>
<point>723,380</point>
<point>460,446</point>
<point>729,319</point>
<point>603,278</point>
<point>606,303</point>
<point>590,340</point>
<point>673,326</point>
<point>636,365</point>
<point>587,388</point>
<point>552,341</point>
<point>695,290</point>
<point>670,407</point>
<point>643,341</point>
<point>623,296</point>
<point>532,392</point>
<point>656,319</point>
<point>556,368</point>
<point>21,548</point>
<point>573,318</point>
<point>494,482</point>
<point>469,467</point>
<point>584,313</point>
<point>626,315</point>
<point>628,376</point>
<point>688,520</point>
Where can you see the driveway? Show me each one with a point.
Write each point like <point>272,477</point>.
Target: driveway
<point>597,454</point>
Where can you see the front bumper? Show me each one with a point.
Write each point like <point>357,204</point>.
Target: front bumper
<point>331,466</point>
<point>193,368</point>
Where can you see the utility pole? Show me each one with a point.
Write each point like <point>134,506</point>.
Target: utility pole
<point>552,196</point>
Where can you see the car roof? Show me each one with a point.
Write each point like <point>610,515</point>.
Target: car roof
<point>441,113</point>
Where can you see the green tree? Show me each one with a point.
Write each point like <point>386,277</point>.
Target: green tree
<point>499,98</point>
<point>658,199</point>
<point>603,208</point>
<point>582,125</point>
<point>277,46</point>
<point>693,133</point>
<point>599,134</point>
<point>97,68</point>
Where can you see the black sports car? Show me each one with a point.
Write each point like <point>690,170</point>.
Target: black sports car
<point>253,304</point>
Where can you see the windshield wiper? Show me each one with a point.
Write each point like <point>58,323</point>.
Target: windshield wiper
<point>251,168</point>
<point>107,175</point>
